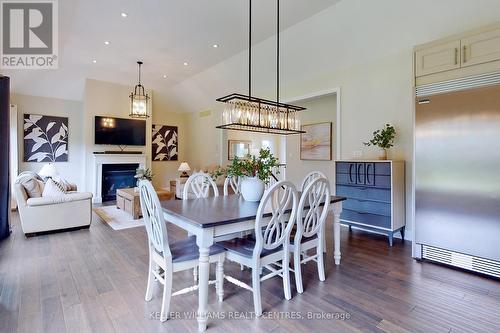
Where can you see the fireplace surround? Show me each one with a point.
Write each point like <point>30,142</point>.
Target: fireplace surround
<point>105,159</point>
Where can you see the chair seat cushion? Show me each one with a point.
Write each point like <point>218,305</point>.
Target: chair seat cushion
<point>244,246</point>
<point>303,240</point>
<point>186,249</point>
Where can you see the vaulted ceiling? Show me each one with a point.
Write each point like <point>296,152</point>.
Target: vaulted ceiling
<point>164,34</point>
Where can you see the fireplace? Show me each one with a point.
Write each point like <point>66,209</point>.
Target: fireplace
<point>116,176</point>
<point>102,161</point>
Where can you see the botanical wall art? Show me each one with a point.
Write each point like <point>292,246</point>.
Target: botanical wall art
<point>165,145</point>
<point>316,143</point>
<point>45,138</point>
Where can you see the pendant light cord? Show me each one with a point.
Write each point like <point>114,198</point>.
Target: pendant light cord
<point>140,63</point>
<point>278,51</point>
<point>250,49</point>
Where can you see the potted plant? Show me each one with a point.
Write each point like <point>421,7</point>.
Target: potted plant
<point>255,172</point>
<point>384,139</point>
<point>142,174</point>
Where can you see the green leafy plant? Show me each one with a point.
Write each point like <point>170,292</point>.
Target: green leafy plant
<point>260,166</point>
<point>144,174</point>
<point>383,138</point>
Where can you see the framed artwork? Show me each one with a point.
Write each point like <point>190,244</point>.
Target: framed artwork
<point>316,143</point>
<point>45,138</point>
<point>165,144</point>
<point>239,148</point>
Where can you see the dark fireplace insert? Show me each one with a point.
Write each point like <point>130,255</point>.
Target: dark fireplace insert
<point>116,176</point>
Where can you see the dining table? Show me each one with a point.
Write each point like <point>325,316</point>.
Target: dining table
<point>208,218</point>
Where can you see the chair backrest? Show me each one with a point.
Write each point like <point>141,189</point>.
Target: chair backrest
<point>153,219</point>
<point>280,200</point>
<point>234,182</point>
<point>313,209</point>
<point>310,177</point>
<point>198,185</point>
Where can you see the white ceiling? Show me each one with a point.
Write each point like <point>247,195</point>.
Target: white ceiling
<point>162,33</point>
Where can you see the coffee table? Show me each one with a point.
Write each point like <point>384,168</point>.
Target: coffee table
<point>129,200</point>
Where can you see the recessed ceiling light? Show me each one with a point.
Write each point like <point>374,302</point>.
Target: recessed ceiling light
<point>106,43</point>
<point>164,76</point>
<point>94,61</point>
<point>215,46</point>
<point>185,64</point>
<point>123,14</point>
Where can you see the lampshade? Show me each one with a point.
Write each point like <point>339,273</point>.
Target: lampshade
<point>48,171</point>
<point>184,167</point>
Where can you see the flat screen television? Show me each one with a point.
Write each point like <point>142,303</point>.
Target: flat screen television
<point>120,131</point>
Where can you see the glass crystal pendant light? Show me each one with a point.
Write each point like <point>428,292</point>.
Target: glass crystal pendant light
<point>253,114</point>
<point>139,99</point>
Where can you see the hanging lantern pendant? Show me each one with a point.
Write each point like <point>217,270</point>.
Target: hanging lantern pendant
<point>139,99</point>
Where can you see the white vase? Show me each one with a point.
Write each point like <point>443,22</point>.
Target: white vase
<point>252,188</point>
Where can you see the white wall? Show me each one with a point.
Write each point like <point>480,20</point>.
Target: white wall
<point>71,170</point>
<point>166,114</point>
<point>319,110</point>
<point>107,99</point>
<point>102,99</point>
<point>362,46</point>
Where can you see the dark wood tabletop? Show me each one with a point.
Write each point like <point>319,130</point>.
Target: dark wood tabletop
<point>215,211</point>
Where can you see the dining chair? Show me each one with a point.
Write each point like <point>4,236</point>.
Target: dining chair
<point>310,177</point>
<point>310,234</point>
<point>198,186</point>
<point>234,182</point>
<point>276,216</point>
<point>167,258</point>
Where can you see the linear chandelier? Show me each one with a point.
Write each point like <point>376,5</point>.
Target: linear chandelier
<point>253,114</point>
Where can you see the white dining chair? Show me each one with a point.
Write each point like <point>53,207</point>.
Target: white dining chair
<point>310,233</point>
<point>234,182</point>
<point>167,258</point>
<point>198,186</point>
<point>310,177</point>
<point>276,216</point>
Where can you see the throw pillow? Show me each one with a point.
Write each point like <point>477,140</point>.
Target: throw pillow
<point>31,187</point>
<point>53,189</point>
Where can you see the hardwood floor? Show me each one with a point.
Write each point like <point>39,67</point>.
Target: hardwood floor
<point>95,280</point>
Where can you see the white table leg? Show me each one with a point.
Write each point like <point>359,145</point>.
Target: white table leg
<point>204,240</point>
<point>337,209</point>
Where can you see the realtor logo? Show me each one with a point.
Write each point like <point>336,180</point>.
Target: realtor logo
<point>29,34</point>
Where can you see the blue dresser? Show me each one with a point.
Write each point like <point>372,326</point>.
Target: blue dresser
<point>375,192</point>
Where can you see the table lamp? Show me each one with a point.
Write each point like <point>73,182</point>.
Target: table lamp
<point>184,168</point>
<point>48,171</point>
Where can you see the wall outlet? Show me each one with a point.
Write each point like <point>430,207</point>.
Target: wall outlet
<point>357,153</point>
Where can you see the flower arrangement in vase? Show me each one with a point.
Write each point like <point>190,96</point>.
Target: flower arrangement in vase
<point>254,170</point>
<point>143,174</point>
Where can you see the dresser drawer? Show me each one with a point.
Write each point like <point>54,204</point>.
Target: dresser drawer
<point>366,193</point>
<point>375,181</point>
<point>383,168</point>
<point>367,206</point>
<point>345,167</point>
<point>366,218</point>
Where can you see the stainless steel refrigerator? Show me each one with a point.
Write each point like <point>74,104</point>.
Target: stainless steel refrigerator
<point>457,174</point>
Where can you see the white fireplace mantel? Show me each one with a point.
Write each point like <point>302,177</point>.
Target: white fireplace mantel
<point>101,159</point>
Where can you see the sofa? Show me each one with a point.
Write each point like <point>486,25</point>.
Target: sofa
<point>42,214</point>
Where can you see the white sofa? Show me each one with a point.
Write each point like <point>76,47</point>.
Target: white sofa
<point>72,210</point>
